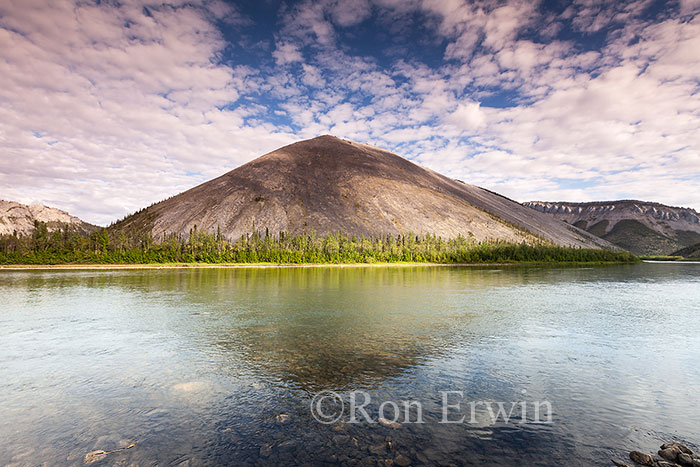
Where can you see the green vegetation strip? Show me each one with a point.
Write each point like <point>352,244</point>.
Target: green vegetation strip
<point>65,247</point>
<point>667,258</point>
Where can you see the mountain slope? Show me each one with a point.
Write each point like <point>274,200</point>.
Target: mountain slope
<point>16,217</point>
<point>692,251</point>
<point>643,228</point>
<point>327,184</point>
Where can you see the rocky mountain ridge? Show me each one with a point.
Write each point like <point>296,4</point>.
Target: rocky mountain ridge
<point>641,227</point>
<point>19,218</point>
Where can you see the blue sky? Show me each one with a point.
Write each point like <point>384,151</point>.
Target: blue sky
<point>110,106</point>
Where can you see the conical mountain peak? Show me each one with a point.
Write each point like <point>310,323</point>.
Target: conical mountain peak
<point>328,184</point>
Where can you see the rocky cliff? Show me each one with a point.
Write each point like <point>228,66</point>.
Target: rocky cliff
<point>638,226</point>
<point>16,217</point>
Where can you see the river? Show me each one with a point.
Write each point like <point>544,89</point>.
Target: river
<point>253,366</point>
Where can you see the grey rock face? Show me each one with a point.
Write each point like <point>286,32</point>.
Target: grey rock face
<point>640,226</point>
<point>327,184</point>
<point>17,217</point>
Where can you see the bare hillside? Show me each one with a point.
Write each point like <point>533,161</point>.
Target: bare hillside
<point>327,184</point>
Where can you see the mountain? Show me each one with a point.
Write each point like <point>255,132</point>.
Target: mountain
<point>327,184</point>
<point>641,227</point>
<point>16,217</point>
<point>692,251</point>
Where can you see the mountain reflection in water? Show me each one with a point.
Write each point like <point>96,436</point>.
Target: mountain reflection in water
<point>212,366</point>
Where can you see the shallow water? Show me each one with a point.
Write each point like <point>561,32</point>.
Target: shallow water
<point>219,366</point>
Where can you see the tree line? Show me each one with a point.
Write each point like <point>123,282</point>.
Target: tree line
<point>68,246</point>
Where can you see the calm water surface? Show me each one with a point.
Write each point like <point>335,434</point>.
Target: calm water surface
<point>218,366</point>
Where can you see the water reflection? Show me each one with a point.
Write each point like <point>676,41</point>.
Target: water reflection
<point>198,365</point>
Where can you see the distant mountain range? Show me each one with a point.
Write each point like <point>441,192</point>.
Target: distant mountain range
<point>19,218</point>
<point>326,184</point>
<point>644,228</point>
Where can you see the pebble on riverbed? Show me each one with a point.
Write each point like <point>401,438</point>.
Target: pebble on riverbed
<point>389,423</point>
<point>100,454</point>
<point>95,456</point>
<point>672,453</point>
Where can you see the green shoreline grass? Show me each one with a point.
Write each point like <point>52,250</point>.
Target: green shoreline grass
<point>103,266</point>
<point>668,258</point>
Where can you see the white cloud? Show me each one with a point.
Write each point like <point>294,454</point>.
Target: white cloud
<point>689,7</point>
<point>467,116</point>
<point>312,76</point>
<point>350,12</point>
<point>100,119</point>
<point>287,52</point>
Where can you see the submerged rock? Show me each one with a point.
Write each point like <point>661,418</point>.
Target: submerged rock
<point>679,446</point>
<point>685,459</point>
<point>641,458</point>
<point>670,453</point>
<point>265,450</point>
<point>379,450</point>
<point>402,460</point>
<point>673,453</point>
<point>95,456</point>
<point>678,453</point>
<point>389,423</point>
<point>620,464</point>
<point>340,439</point>
<point>99,454</point>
